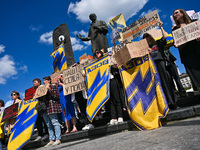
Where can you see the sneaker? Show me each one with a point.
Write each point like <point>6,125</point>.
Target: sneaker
<point>87,127</point>
<point>45,137</point>
<point>38,138</point>
<point>113,122</point>
<point>120,120</point>
<point>56,143</point>
<point>49,144</point>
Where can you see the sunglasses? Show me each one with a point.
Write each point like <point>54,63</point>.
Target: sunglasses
<point>97,52</point>
<point>13,94</point>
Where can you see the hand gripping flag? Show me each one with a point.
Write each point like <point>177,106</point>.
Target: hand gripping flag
<point>118,23</point>
<point>60,61</point>
<point>146,102</point>
<point>24,125</point>
<point>97,80</point>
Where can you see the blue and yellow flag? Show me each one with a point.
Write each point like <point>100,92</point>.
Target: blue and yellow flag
<point>146,102</point>
<point>24,125</point>
<point>118,23</point>
<point>60,61</point>
<point>97,80</point>
<point>169,41</point>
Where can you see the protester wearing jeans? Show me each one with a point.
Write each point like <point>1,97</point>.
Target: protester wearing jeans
<point>51,116</point>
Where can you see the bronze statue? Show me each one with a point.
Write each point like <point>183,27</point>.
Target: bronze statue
<point>97,34</point>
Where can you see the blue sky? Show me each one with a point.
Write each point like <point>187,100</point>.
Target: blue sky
<point>26,32</point>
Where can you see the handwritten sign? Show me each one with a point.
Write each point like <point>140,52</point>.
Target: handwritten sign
<point>141,26</point>
<point>41,91</point>
<point>195,16</point>
<point>73,80</point>
<point>131,50</point>
<point>29,93</point>
<point>186,33</point>
<point>10,112</point>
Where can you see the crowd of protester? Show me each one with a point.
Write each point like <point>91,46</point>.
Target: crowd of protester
<point>56,107</point>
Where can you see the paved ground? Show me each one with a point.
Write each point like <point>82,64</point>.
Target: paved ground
<point>177,135</point>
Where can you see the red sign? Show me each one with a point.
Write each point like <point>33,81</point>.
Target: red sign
<point>29,93</point>
<point>10,112</point>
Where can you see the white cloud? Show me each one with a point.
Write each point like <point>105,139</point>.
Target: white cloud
<point>149,11</point>
<point>46,38</point>
<point>7,68</point>
<point>35,28</point>
<point>23,68</point>
<point>82,32</point>
<point>105,9</point>
<point>76,44</point>
<point>2,48</point>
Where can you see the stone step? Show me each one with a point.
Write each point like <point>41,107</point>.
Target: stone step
<point>103,130</point>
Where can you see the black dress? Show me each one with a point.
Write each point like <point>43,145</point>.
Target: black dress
<point>158,57</point>
<point>190,58</point>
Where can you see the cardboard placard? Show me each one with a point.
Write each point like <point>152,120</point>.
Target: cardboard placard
<point>10,112</point>
<point>157,33</point>
<point>186,33</point>
<point>29,93</point>
<point>131,50</point>
<point>41,91</point>
<point>73,80</point>
<point>141,26</point>
<point>55,77</point>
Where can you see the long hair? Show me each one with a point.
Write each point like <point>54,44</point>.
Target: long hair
<point>2,103</point>
<point>16,93</point>
<point>151,42</point>
<point>186,18</point>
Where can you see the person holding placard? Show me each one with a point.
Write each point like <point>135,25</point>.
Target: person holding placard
<point>68,112</point>
<point>53,109</point>
<point>40,123</point>
<point>157,52</point>
<point>115,99</point>
<point>190,51</point>
<point>16,99</point>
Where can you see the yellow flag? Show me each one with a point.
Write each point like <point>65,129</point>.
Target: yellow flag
<point>97,80</point>
<point>118,23</point>
<point>146,102</point>
<point>24,125</point>
<point>60,61</point>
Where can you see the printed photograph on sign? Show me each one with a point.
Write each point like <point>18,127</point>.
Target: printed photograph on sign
<point>10,112</point>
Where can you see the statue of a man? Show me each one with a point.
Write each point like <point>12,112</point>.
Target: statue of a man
<point>97,34</point>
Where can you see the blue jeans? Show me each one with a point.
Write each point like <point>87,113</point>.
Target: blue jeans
<point>52,124</point>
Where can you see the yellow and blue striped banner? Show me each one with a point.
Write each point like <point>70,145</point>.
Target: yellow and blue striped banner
<point>24,125</point>
<point>118,23</point>
<point>169,41</point>
<point>97,80</point>
<point>60,61</point>
<point>146,102</point>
